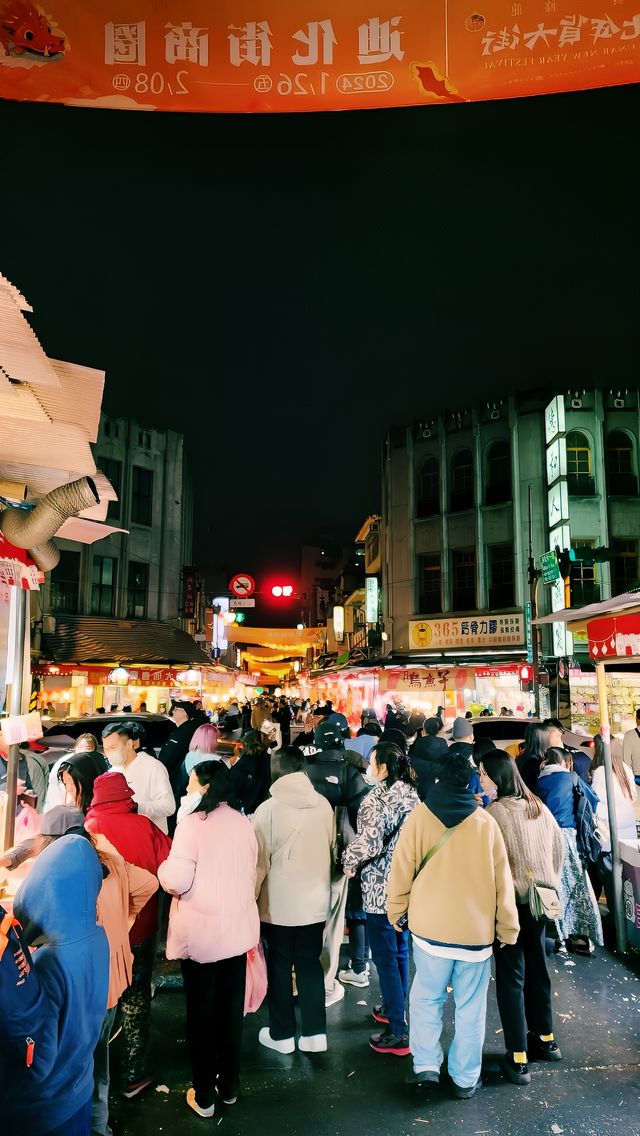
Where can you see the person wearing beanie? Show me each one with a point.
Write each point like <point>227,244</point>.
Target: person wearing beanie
<point>427,750</point>
<point>113,814</point>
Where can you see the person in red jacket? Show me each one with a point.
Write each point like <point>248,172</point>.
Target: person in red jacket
<point>113,812</point>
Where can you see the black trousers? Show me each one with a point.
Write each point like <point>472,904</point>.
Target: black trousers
<point>215,1013</point>
<point>299,948</point>
<point>523,985</point>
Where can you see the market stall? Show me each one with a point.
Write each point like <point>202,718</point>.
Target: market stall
<point>613,629</point>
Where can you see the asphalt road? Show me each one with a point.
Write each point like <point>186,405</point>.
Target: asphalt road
<point>595,1091</point>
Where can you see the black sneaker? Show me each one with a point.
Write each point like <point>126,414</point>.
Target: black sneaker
<point>540,1050</point>
<point>379,1014</point>
<point>387,1042</point>
<point>426,1077</point>
<point>516,1071</point>
<point>465,1094</point>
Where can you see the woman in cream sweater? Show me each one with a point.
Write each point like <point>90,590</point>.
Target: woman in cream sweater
<point>535,850</point>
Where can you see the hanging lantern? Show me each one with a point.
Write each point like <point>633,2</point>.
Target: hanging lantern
<point>119,676</point>
<point>190,677</point>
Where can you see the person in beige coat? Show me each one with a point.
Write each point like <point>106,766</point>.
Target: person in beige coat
<point>295,830</point>
<point>450,874</point>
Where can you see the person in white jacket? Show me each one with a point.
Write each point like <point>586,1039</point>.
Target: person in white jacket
<point>295,830</point>
<point>146,775</point>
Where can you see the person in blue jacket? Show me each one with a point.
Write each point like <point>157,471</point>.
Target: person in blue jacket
<point>46,1087</point>
<point>580,925</point>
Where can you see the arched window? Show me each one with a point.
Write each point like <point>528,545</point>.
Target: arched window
<point>498,487</point>
<point>622,478</point>
<point>580,465</point>
<point>428,488</point>
<point>461,481</point>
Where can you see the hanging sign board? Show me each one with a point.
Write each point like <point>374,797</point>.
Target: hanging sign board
<point>289,55</point>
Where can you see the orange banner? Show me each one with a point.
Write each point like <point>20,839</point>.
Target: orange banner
<point>302,55</point>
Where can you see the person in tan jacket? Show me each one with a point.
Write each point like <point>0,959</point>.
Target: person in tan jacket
<point>450,875</point>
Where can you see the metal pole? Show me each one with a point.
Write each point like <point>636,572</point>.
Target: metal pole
<point>605,733</point>
<point>15,708</point>
<point>533,599</point>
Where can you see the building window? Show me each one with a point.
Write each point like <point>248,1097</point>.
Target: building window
<point>429,488</point>
<point>463,573</point>
<point>501,579</point>
<point>110,428</point>
<point>137,587</point>
<point>622,479</point>
<point>65,583</point>
<point>625,570</point>
<point>498,488</point>
<point>585,587</point>
<point>461,481</point>
<point>144,439</point>
<point>103,585</point>
<point>112,469</point>
<point>141,493</point>
<point>430,576</point>
<point>579,465</point>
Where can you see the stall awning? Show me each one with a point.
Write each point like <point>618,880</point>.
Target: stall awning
<point>578,617</point>
<point>87,639</point>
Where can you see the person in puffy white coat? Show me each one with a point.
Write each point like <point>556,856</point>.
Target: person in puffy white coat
<point>211,872</point>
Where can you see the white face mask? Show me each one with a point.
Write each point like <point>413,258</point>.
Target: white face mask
<point>69,798</point>
<point>369,778</point>
<point>187,805</point>
<point>117,758</point>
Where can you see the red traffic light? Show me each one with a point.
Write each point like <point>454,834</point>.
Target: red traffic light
<point>526,673</point>
<point>282,591</point>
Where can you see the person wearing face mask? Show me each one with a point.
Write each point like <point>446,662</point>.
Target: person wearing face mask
<point>381,816</point>
<point>86,743</point>
<point>190,801</point>
<point>146,775</point>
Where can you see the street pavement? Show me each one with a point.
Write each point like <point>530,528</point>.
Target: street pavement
<point>595,1091</point>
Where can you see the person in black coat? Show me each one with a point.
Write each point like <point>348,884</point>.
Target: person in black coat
<point>332,775</point>
<point>251,773</point>
<point>426,751</point>
<point>175,749</point>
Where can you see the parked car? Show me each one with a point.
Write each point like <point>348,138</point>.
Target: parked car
<point>62,735</point>
<point>508,733</point>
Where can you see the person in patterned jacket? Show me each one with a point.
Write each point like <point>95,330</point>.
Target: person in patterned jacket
<point>380,818</point>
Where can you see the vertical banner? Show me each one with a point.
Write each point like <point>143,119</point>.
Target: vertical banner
<point>239,56</point>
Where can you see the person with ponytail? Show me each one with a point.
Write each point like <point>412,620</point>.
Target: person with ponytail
<point>213,922</point>
<point>535,849</point>
<point>381,816</point>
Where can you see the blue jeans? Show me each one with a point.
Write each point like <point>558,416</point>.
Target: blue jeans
<point>470,981</point>
<point>390,953</point>
<point>100,1103</point>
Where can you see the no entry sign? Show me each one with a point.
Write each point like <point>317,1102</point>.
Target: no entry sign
<point>242,585</point>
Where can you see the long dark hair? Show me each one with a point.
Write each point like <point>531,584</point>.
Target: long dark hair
<point>220,791</point>
<point>83,768</point>
<point>399,767</point>
<point>253,743</point>
<point>536,739</point>
<point>503,771</point>
<point>617,762</point>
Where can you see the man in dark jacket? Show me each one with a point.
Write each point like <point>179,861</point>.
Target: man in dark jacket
<point>426,752</point>
<point>176,747</point>
<point>344,787</point>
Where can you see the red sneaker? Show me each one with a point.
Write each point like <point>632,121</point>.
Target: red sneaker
<point>387,1042</point>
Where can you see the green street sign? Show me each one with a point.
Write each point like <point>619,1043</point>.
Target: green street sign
<point>550,567</point>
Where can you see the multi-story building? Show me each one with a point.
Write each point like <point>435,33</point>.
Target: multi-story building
<point>467,503</point>
<point>135,573</point>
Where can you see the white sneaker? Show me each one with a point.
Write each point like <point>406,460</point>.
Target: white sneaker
<point>352,979</point>
<point>333,996</point>
<point>191,1101</point>
<point>287,1045</point>
<point>317,1043</point>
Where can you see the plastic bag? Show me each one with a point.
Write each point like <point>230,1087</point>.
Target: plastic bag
<point>256,984</point>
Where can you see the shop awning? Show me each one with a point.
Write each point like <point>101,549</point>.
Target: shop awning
<point>578,617</point>
<point>86,639</point>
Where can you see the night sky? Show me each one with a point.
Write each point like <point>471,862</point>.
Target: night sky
<point>283,288</point>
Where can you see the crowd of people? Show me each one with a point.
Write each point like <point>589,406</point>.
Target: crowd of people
<point>251,854</point>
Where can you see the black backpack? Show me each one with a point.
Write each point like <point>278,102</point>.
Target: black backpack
<point>587,835</point>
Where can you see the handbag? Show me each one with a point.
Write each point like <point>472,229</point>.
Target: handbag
<point>256,983</point>
<point>544,902</point>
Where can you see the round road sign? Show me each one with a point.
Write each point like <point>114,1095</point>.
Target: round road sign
<point>242,585</point>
